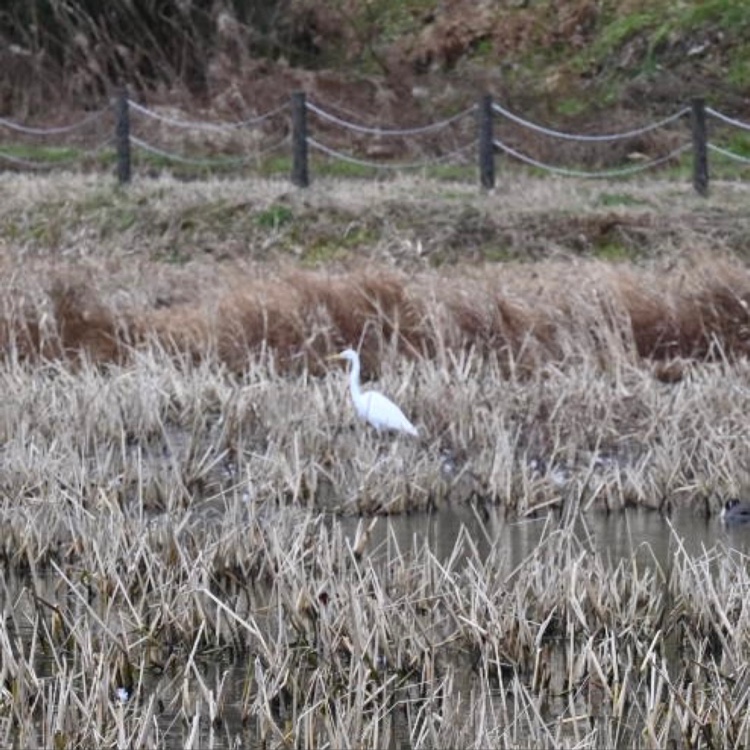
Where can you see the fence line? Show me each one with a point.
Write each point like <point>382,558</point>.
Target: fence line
<point>442,159</point>
<point>205,161</point>
<point>206,126</point>
<point>729,154</point>
<point>726,119</point>
<point>597,174</point>
<point>60,130</point>
<point>591,138</point>
<point>196,162</point>
<point>485,145</point>
<point>394,132</point>
<point>19,161</point>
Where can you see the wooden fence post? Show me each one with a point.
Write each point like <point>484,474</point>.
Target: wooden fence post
<point>300,176</point>
<point>486,140</point>
<point>122,136</point>
<point>700,146</point>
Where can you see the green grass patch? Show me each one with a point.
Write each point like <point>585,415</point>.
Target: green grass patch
<point>738,73</point>
<point>730,15</point>
<point>614,251</point>
<point>274,217</point>
<point>739,143</point>
<point>52,155</point>
<point>620,30</point>
<point>613,200</point>
<point>571,106</point>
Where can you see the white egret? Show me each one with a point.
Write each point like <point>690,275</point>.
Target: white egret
<point>372,406</point>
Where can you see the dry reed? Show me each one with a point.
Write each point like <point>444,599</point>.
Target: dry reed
<point>174,571</point>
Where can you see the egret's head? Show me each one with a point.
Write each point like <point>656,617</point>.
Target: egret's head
<point>348,354</point>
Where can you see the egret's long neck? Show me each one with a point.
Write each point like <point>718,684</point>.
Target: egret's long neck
<point>354,379</point>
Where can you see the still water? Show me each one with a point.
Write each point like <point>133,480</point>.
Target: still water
<point>647,534</point>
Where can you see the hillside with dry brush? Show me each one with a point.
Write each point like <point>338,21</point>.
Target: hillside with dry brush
<point>599,66</point>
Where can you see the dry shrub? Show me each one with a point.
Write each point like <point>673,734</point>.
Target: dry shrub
<point>363,309</point>
<point>524,316</point>
<point>719,311</point>
<point>492,315</point>
<point>180,330</point>
<point>299,317</point>
<point>700,312</point>
<point>84,324</point>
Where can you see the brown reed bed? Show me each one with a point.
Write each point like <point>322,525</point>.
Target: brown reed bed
<point>524,397</point>
<point>169,579</point>
<point>526,316</point>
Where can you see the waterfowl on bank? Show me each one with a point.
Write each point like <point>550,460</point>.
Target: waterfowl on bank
<point>736,511</point>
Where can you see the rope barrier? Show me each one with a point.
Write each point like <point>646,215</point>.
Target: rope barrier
<point>385,165</point>
<point>197,162</point>
<point>273,147</point>
<point>726,119</point>
<point>391,132</point>
<point>299,136</point>
<point>587,174</point>
<point>339,110</point>
<point>729,154</point>
<point>590,138</point>
<point>206,126</point>
<point>61,130</point>
<point>19,162</point>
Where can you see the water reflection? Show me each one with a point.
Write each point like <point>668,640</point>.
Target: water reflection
<point>648,535</point>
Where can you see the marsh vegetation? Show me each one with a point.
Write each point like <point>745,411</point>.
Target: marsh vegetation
<point>178,461</point>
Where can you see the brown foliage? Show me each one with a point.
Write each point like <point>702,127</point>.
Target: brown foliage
<point>84,325</point>
<point>524,316</point>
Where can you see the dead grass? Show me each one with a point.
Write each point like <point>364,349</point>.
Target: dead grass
<point>526,316</point>
<point>334,641</point>
<point>175,454</point>
<point>197,266</point>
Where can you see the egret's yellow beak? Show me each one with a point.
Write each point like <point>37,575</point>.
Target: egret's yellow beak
<point>333,357</point>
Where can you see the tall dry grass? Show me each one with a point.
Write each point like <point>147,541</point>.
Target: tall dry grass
<point>527,316</point>
<point>61,53</point>
<point>262,625</point>
<point>585,428</point>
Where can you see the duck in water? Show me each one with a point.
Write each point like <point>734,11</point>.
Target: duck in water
<point>735,511</point>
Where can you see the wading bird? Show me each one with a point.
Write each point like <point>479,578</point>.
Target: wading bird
<point>372,406</point>
<point>735,511</point>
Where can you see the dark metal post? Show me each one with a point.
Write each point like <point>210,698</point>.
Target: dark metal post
<point>300,176</point>
<point>486,143</point>
<point>700,146</point>
<point>122,136</point>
